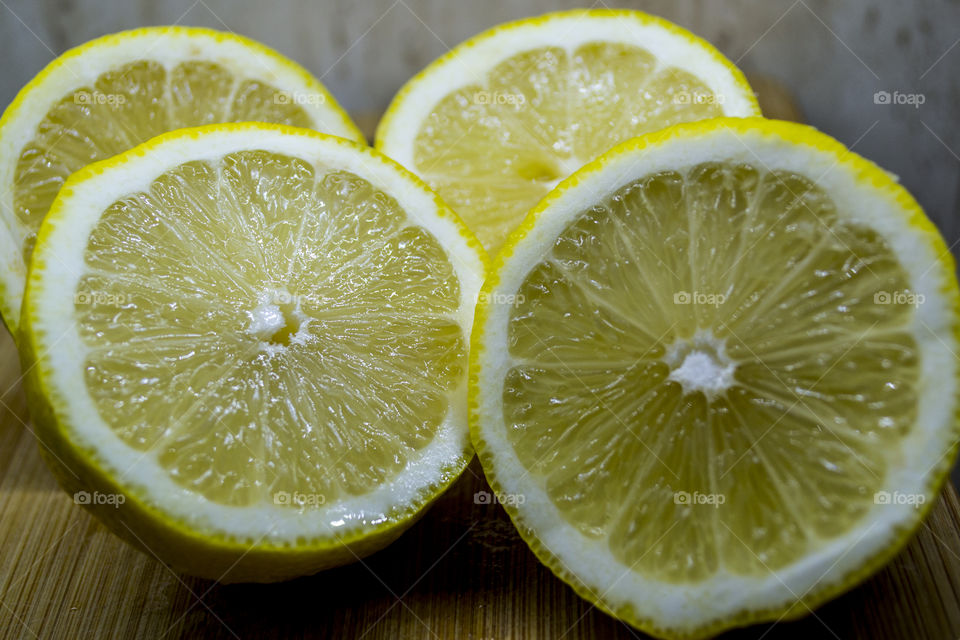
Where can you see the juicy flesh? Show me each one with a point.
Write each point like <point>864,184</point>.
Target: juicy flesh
<point>128,106</point>
<point>683,472</point>
<point>494,148</point>
<point>260,325</point>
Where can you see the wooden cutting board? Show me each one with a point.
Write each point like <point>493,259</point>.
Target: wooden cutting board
<point>461,572</point>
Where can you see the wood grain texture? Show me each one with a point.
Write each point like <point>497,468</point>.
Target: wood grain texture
<point>461,572</point>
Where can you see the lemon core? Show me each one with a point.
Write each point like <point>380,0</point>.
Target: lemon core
<point>701,364</point>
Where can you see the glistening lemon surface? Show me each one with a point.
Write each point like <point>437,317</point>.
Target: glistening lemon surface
<point>497,122</point>
<point>718,363</point>
<point>117,91</point>
<point>257,336</point>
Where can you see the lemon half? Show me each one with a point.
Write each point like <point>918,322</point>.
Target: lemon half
<point>250,341</point>
<point>117,91</point>
<point>718,364</point>
<point>497,122</point>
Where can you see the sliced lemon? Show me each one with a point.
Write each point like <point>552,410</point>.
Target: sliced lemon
<point>246,347</point>
<point>497,122</point>
<point>713,374</point>
<point>117,91</point>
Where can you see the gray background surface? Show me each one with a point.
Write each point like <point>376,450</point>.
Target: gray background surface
<point>833,55</point>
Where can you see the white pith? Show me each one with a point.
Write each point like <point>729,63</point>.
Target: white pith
<point>59,264</point>
<point>268,318</point>
<point>688,607</point>
<point>168,48</point>
<point>701,364</point>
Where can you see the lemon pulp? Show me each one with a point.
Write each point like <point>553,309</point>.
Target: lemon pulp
<point>129,105</point>
<point>751,392</point>
<point>494,148</point>
<point>258,324</point>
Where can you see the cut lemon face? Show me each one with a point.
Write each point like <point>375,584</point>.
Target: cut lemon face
<point>718,364</point>
<point>115,92</point>
<point>496,123</point>
<point>250,342</point>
